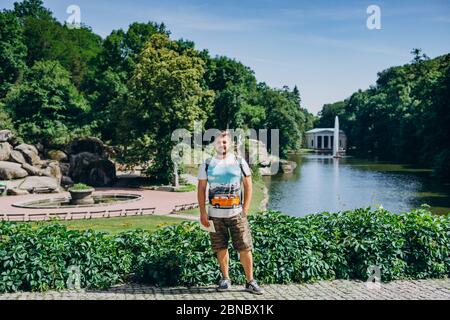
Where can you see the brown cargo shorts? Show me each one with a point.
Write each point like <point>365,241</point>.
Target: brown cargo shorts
<point>239,230</point>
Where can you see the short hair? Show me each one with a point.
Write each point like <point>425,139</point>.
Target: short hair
<point>223,134</point>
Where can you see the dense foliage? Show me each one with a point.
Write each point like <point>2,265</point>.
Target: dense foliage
<point>39,259</point>
<point>412,245</point>
<point>404,117</point>
<point>137,78</point>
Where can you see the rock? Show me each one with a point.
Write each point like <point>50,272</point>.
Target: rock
<point>17,156</point>
<point>91,145</point>
<point>65,167</point>
<point>16,192</point>
<point>30,153</point>
<point>53,170</point>
<point>91,169</point>
<point>265,171</point>
<point>40,148</point>
<point>66,181</point>
<point>32,171</point>
<point>5,151</point>
<point>288,166</point>
<point>6,135</point>
<point>57,155</point>
<point>11,170</point>
<point>39,183</point>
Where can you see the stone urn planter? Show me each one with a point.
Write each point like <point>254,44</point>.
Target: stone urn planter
<point>81,194</point>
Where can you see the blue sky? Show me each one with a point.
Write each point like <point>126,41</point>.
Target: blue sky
<point>324,47</point>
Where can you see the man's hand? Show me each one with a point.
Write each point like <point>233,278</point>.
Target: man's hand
<point>204,219</point>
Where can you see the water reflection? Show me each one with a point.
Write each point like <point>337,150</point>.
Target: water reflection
<point>323,183</point>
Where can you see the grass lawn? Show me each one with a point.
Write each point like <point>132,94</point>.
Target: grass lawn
<point>119,224</point>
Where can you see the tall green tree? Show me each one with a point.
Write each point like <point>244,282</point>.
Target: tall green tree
<point>164,94</point>
<point>46,106</point>
<point>12,51</point>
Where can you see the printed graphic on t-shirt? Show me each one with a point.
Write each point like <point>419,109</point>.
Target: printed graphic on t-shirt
<point>224,185</point>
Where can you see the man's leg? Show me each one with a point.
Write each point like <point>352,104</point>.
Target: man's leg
<point>246,258</point>
<point>223,258</point>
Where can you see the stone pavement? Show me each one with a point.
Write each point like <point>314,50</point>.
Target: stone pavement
<point>164,202</point>
<point>325,290</point>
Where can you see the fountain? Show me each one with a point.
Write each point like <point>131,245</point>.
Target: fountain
<point>81,195</point>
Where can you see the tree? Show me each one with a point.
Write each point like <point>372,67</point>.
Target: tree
<point>235,86</point>
<point>46,106</point>
<point>112,68</point>
<point>164,94</point>
<point>31,8</point>
<point>283,113</point>
<point>12,51</point>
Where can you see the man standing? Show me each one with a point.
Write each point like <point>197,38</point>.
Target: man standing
<point>228,208</point>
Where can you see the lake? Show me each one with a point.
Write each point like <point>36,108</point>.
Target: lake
<point>322,183</point>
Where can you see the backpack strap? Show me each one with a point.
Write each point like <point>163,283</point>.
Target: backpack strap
<point>207,162</point>
<point>239,160</point>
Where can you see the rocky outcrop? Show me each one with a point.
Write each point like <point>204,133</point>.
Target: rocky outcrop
<point>92,145</point>
<point>6,136</point>
<point>5,151</point>
<point>57,155</point>
<point>90,164</point>
<point>30,153</point>
<point>17,156</point>
<point>84,160</point>
<point>16,192</point>
<point>33,171</point>
<point>11,170</point>
<point>53,170</point>
<point>33,183</point>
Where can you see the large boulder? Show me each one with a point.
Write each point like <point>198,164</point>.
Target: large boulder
<point>11,170</point>
<point>34,182</point>
<point>91,145</point>
<point>57,155</point>
<point>30,153</point>
<point>66,181</point>
<point>287,166</point>
<point>16,192</point>
<point>17,156</point>
<point>32,171</point>
<point>65,167</point>
<point>92,169</point>
<point>5,151</point>
<point>6,135</point>
<point>53,170</point>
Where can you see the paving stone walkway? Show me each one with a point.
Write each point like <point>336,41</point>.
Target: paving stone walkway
<point>433,289</point>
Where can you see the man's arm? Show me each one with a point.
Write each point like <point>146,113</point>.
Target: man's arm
<point>201,197</point>
<point>248,191</point>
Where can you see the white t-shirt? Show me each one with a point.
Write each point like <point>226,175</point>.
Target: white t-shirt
<point>224,178</point>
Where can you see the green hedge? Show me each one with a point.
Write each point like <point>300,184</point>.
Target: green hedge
<point>343,245</point>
